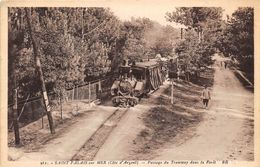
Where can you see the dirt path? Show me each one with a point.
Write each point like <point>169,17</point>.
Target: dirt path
<point>68,143</point>
<point>93,144</point>
<point>227,129</point>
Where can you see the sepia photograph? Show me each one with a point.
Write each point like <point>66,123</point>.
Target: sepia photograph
<point>130,84</point>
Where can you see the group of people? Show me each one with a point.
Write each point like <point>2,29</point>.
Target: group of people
<point>223,64</point>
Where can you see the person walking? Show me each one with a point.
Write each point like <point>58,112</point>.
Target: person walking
<point>225,65</point>
<point>205,97</point>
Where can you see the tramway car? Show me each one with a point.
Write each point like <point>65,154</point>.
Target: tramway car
<point>135,82</point>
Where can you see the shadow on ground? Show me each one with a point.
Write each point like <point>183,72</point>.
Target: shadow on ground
<point>164,121</point>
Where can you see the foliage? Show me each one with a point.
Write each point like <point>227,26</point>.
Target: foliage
<point>67,45</point>
<point>204,25</point>
<point>195,17</point>
<point>146,38</point>
<point>162,39</point>
<point>237,39</point>
<point>77,45</point>
<point>135,45</point>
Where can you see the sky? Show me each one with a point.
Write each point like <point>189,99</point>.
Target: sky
<point>154,11</point>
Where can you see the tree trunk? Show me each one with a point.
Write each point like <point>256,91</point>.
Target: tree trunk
<point>39,71</point>
<point>181,33</point>
<point>199,36</point>
<point>172,92</point>
<point>15,112</point>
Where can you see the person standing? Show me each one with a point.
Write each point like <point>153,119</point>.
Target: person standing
<point>205,96</point>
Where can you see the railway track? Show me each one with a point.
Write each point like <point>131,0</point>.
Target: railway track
<point>91,147</point>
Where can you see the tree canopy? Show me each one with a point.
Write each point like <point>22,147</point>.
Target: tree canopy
<point>203,25</point>
<point>237,39</point>
<point>195,17</point>
<point>77,45</point>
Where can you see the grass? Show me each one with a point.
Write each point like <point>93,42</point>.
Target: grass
<point>165,121</point>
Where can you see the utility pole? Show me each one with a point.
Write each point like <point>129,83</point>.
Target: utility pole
<point>39,70</point>
<point>181,33</point>
<point>200,34</point>
<point>13,52</point>
<point>172,92</point>
<point>172,74</point>
<point>82,24</point>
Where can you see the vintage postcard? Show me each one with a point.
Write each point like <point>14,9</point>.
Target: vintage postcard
<point>130,83</point>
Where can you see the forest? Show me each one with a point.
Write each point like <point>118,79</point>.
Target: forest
<point>78,45</point>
